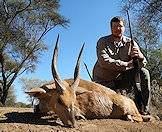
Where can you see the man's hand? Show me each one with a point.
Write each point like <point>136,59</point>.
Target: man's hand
<point>129,65</point>
<point>136,53</point>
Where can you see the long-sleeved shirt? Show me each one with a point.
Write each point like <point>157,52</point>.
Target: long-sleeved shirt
<point>113,57</point>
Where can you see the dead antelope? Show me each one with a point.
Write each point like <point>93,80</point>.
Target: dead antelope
<point>80,98</point>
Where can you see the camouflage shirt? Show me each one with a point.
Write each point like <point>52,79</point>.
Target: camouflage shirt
<point>112,58</point>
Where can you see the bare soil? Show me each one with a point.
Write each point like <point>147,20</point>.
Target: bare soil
<point>24,120</point>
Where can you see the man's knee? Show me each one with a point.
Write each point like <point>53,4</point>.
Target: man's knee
<point>146,73</point>
<point>145,78</point>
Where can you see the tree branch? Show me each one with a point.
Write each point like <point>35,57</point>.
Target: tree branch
<point>17,12</point>
<point>22,71</point>
<point>22,63</point>
<point>5,7</point>
<point>150,4</point>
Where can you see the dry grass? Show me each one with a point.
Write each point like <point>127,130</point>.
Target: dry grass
<point>23,119</point>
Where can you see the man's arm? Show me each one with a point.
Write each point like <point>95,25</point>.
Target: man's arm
<point>136,52</point>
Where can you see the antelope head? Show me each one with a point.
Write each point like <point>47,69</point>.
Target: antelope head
<point>64,96</point>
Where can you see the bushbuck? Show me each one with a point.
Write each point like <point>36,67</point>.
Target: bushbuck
<point>72,98</point>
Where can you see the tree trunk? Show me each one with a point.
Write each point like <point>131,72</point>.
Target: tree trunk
<point>4,97</point>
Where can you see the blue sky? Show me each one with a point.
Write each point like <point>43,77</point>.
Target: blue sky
<point>89,20</point>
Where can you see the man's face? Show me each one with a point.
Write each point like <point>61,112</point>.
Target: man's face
<point>117,28</point>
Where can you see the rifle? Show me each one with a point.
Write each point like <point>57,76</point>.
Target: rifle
<point>135,60</point>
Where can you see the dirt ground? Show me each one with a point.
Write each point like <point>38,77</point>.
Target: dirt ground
<point>23,120</point>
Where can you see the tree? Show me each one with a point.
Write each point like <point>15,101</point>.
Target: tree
<point>11,97</point>
<point>23,105</point>
<point>146,16</point>
<point>23,23</point>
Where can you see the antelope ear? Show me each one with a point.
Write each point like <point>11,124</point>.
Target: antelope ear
<point>37,92</point>
<point>59,85</point>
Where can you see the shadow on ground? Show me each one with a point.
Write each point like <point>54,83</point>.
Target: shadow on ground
<point>28,118</point>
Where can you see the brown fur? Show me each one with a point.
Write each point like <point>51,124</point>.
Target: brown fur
<point>93,101</point>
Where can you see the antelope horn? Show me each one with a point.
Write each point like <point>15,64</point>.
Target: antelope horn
<point>76,72</point>
<point>54,61</point>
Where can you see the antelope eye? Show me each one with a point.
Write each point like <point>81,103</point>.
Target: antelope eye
<point>59,101</point>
